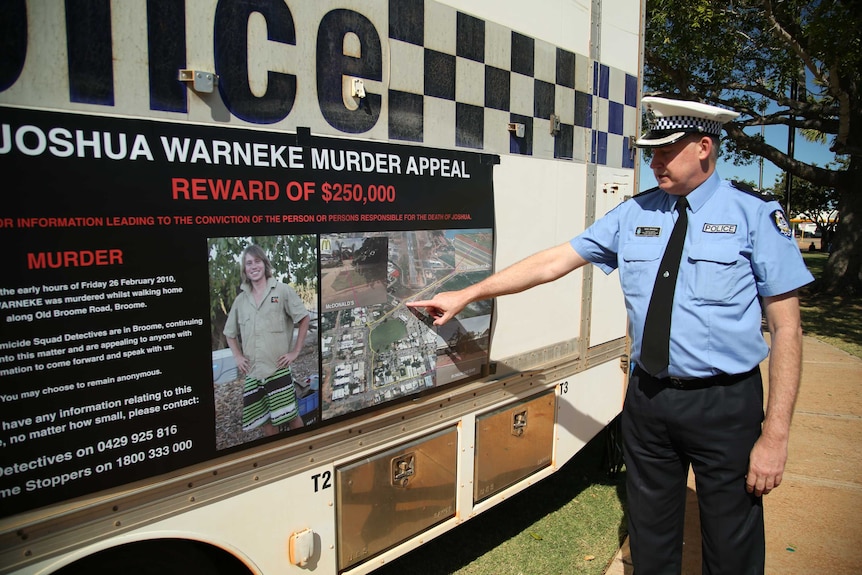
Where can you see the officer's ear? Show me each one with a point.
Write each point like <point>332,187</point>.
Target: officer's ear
<point>705,148</point>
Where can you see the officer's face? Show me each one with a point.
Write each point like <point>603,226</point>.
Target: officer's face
<point>681,167</point>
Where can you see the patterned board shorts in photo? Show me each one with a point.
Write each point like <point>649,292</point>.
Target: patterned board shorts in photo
<point>272,399</point>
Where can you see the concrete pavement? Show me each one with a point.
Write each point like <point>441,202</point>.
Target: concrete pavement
<point>814,519</point>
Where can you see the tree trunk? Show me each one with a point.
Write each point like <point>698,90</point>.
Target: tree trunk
<point>843,273</point>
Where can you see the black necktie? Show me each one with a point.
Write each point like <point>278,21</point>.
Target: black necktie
<point>656,336</point>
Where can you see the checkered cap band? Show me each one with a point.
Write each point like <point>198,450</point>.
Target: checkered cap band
<point>685,123</point>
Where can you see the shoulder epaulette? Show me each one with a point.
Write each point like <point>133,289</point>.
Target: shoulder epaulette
<point>649,191</point>
<point>743,187</point>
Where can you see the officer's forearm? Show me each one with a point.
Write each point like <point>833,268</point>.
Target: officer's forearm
<point>539,268</point>
<point>785,365</point>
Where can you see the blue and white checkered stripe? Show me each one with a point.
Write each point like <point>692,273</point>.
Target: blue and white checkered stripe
<point>457,80</point>
<point>670,123</point>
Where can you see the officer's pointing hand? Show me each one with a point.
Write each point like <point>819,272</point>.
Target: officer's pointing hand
<point>442,307</point>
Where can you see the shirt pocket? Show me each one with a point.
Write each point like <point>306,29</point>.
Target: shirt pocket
<point>638,266</point>
<point>274,321</point>
<point>244,318</point>
<point>717,271</point>
<point>245,322</point>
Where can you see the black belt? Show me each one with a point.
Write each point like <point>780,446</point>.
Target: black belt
<point>697,383</point>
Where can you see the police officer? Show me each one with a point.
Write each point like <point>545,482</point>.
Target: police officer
<point>695,397</point>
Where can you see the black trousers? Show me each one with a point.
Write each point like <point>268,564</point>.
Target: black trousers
<point>712,429</point>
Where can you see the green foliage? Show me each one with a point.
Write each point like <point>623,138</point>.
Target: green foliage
<point>748,54</point>
<point>796,63</point>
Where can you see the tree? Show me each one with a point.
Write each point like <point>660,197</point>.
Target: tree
<point>778,62</point>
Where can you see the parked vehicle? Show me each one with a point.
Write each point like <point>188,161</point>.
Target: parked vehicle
<point>377,151</point>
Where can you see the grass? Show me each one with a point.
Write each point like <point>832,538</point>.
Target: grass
<point>569,523</point>
<point>836,320</point>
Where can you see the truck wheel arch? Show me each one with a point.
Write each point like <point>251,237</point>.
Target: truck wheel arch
<point>165,556</point>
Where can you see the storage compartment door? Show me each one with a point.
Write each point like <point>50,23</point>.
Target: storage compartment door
<point>512,443</point>
<point>394,495</point>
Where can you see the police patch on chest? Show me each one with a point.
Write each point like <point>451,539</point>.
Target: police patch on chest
<point>719,228</point>
<point>781,224</point>
<point>648,231</point>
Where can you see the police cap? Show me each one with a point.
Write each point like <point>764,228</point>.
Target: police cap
<point>669,121</point>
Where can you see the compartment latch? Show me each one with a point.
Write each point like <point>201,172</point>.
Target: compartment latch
<point>403,468</point>
<point>519,423</point>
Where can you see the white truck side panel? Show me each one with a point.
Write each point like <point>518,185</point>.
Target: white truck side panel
<point>603,389</point>
<point>564,23</point>
<point>608,317</point>
<point>260,520</point>
<point>535,212</point>
<point>620,35</point>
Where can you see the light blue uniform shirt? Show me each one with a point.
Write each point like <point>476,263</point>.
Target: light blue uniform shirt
<point>738,246</point>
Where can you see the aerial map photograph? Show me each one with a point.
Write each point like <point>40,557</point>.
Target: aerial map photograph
<point>374,348</point>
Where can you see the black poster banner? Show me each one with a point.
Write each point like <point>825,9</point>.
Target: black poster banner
<point>127,242</point>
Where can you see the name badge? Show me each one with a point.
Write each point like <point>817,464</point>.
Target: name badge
<point>647,231</point>
<point>719,228</point>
